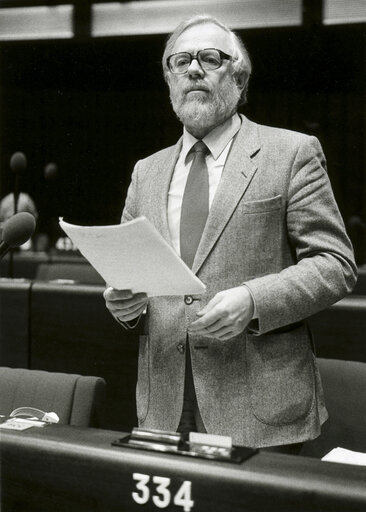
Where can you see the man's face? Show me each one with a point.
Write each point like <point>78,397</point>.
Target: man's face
<point>204,99</point>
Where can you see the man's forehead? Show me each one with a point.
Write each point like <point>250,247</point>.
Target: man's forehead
<point>204,35</point>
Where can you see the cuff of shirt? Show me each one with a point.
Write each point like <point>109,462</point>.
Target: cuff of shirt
<point>131,324</point>
<point>255,313</point>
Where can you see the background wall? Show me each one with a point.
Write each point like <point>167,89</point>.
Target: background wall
<point>96,107</point>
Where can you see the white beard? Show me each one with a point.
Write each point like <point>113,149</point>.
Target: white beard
<point>201,112</point>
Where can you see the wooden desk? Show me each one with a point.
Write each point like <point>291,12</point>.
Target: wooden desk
<point>71,469</point>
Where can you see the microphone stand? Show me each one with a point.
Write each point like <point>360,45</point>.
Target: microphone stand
<point>11,251</point>
<point>18,164</point>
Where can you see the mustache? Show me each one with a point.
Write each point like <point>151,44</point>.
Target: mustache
<point>196,86</point>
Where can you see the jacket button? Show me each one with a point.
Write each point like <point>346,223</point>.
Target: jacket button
<point>188,299</point>
<point>181,348</point>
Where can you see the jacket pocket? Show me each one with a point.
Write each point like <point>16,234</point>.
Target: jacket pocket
<point>257,228</point>
<point>143,379</point>
<point>281,376</point>
<point>262,205</point>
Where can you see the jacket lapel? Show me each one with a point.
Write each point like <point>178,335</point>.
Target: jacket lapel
<point>237,174</point>
<point>160,189</point>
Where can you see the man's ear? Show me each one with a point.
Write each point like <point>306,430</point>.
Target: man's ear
<point>167,78</point>
<point>240,79</point>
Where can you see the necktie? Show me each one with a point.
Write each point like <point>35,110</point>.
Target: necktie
<point>195,204</point>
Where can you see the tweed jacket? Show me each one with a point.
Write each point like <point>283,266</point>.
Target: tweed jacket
<point>273,225</point>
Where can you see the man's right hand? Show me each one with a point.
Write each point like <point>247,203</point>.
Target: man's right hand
<point>123,304</point>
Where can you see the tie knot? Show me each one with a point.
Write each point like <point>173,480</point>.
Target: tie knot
<point>200,147</point>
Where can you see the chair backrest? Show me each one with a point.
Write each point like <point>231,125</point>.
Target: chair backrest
<point>360,288</point>
<point>77,400</point>
<point>339,331</point>
<point>78,272</point>
<point>344,384</point>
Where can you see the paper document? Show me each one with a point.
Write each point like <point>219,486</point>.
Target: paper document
<point>345,456</point>
<point>134,256</point>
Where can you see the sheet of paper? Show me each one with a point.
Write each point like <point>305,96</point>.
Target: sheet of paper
<point>134,256</point>
<point>345,456</point>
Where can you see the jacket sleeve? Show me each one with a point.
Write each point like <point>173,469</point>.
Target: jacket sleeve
<point>324,270</point>
<point>130,210</point>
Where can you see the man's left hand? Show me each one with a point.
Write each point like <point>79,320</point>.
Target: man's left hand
<point>226,315</point>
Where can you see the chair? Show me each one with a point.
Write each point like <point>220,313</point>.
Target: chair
<point>339,331</point>
<point>344,384</point>
<point>76,399</point>
<point>360,287</point>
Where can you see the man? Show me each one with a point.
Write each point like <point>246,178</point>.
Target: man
<point>273,251</point>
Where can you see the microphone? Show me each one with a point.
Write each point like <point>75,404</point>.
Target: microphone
<point>356,222</point>
<point>50,171</point>
<point>17,230</point>
<point>18,164</point>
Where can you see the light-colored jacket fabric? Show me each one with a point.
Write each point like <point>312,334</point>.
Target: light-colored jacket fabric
<point>273,225</point>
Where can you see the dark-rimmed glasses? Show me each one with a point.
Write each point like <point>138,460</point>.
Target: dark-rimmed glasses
<point>209,59</point>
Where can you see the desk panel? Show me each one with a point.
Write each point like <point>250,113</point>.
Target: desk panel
<point>73,332</point>
<point>71,469</point>
<point>14,322</point>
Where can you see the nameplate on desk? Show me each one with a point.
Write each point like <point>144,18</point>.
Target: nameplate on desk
<point>202,446</point>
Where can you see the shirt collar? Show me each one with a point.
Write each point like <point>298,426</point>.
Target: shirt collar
<point>216,140</point>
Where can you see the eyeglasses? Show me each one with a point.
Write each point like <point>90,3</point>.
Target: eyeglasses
<point>208,59</point>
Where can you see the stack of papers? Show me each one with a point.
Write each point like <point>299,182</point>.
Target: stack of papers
<point>134,256</point>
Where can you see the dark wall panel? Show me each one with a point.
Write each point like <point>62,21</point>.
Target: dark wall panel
<point>96,107</point>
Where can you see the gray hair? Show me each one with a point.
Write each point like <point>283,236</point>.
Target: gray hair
<point>241,63</point>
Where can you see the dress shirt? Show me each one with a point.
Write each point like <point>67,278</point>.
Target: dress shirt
<point>219,142</point>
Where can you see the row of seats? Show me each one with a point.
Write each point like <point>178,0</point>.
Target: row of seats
<point>79,401</point>
<point>64,265</point>
<point>66,328</point>
<point>344,384</point>
<point>49,266</point>
<point>76,399</point>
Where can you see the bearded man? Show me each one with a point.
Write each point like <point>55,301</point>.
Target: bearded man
<point>250,209</point>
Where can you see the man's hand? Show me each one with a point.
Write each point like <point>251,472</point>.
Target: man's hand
<point>226,315</point>
<point>123,304</point>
